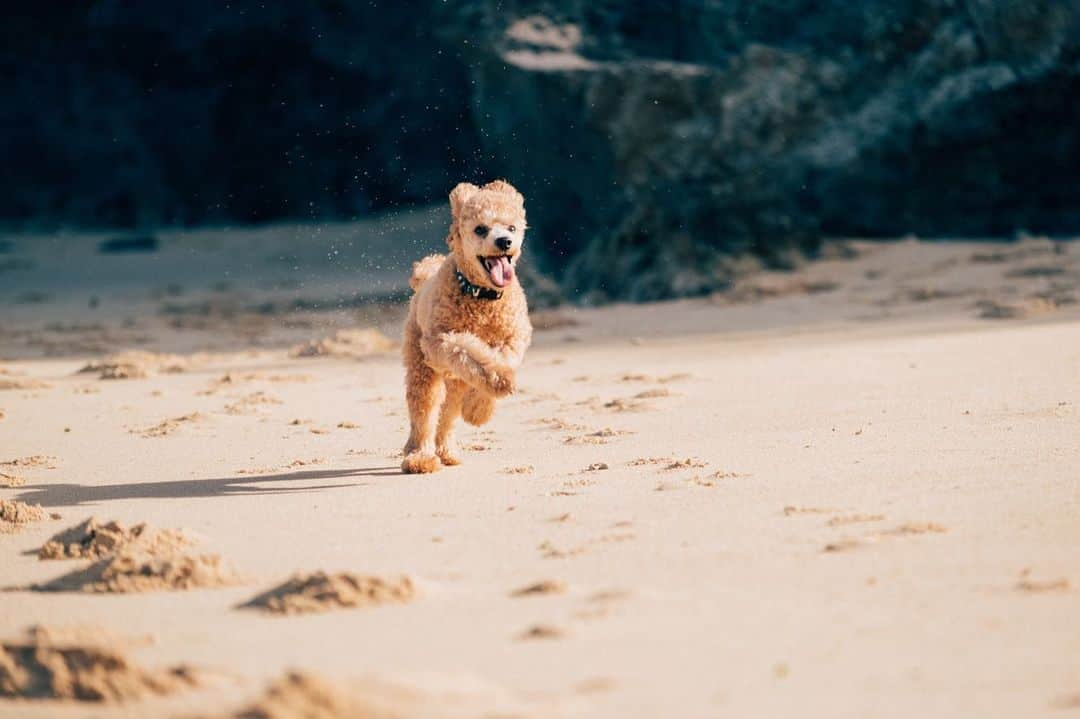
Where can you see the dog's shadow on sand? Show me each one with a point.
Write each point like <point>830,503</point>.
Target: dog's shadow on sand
<point>69,495</point>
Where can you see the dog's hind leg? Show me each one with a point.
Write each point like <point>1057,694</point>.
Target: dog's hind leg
<point>424,392</point>
<point>445,446</point>
<point>477,407</point>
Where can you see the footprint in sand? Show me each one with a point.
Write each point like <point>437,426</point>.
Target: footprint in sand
<point>908,529</point>
<point>792,510</point>
<point>541,588</point>
<point>653,393</point>
<point>23,383</point>
<point>595,685</point>
<point>32,462</point>
<point>1036,586</point>
<point>550,551</point>
<point>668,463</point>
<point>714,479</point>
<point>600,436</point>
<point>542,631</point>
<point>557,423</point>
<point>601,604</point>
<point>250,403</point>
<point>854,519</point>
<point>579,483</point>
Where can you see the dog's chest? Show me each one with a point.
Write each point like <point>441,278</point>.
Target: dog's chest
<point>489,320</point>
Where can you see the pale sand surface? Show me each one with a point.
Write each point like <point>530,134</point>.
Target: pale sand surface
<point>880,517</point>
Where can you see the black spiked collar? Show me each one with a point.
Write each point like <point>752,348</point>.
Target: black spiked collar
<point>468,288</point>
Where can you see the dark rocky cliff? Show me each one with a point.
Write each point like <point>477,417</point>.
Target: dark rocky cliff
<point>656,140</point>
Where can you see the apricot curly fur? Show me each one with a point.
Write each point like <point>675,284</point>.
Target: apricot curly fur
<point>461,352</point>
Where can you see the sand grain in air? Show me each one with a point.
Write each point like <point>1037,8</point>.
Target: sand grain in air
<point>136,365</point>
<point>346,343</point>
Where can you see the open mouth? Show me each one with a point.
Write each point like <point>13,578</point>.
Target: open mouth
<point>498,268</point>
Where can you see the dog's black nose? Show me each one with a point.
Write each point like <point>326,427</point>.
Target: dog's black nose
<point>503,243</point>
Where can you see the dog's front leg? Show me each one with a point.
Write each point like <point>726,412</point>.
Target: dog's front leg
<point>511,354</point>
<point>466,357</point>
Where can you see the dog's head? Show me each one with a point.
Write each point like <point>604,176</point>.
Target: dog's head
<point>487,231</point>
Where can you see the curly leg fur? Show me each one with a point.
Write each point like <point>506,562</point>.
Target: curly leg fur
<point>424,392</point>
<point>477,407</point>
<point>468,358</point>
<point>445,447</point>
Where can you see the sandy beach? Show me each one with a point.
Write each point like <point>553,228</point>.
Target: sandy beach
<point>844,491</point>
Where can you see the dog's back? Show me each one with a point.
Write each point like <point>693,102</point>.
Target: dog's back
<point>424,269</point>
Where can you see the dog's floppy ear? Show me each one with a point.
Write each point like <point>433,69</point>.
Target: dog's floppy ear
<point>460,195</point>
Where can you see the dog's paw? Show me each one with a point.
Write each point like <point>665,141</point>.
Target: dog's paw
<point>501,381</point>
<point>420,463</point>
<point>477,407</point>
<point>448,456</point>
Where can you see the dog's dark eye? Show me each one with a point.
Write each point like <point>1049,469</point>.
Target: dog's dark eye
<point>482,230</point>
<point>512,228</point>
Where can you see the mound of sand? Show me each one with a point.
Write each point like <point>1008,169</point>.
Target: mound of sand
<point>10,480</point>
<point>47,666</point>
<point>14,514</point>
<point>250,403</point>
<point>93,539</point>
<point>132,570</point>
<point>168,426</point>
<point>547,586</point>
<point>11,383</point>
<point>302,695</point>
<point>346,343</point>
<point>136,364</point>
<point>321,592</point>
<point>33,461</point>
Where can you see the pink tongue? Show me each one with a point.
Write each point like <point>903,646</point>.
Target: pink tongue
<point>501,271</point>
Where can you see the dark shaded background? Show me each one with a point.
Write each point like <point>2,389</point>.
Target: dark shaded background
<point>658,142</point>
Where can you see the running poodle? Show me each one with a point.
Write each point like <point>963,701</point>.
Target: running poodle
<point>468,325</point>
